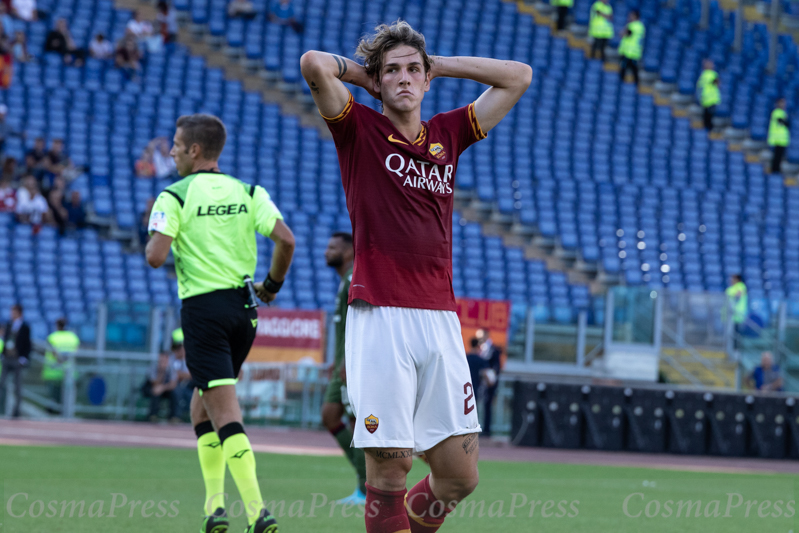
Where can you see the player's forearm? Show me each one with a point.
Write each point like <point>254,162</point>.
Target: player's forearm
<point>494,72</point>
<point>315,64</point>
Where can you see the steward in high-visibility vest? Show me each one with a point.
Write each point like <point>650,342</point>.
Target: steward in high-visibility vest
<point>63,342</point>
<point>600,27</point>
<point>738,300</point>
<point>631,47</point>
<point>779,134</point>
<point>709,93</point>
<point>563,7</point>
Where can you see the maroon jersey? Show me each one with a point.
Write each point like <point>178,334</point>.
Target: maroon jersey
<point>400,198</point>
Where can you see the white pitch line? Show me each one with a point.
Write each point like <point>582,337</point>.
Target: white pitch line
<point>100,439</point>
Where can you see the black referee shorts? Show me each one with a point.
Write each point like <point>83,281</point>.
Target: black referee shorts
<point>219,331</point>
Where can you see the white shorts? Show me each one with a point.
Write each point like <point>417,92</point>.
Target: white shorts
<point>407,377</point>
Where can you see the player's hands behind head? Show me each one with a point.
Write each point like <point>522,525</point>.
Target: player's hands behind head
<point>264,295</point>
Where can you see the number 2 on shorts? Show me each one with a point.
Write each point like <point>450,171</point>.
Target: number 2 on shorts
<point>467,389</point>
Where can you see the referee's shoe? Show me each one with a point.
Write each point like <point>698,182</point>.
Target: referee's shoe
<point>266,523</point>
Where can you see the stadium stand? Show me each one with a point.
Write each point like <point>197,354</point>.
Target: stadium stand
<point>659,203</point>
<point>107,121</point>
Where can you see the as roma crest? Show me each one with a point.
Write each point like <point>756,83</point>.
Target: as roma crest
<point>437,151</point>
<point>371,423</point>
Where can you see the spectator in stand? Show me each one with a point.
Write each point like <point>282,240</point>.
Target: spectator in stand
<point>35,159</point>
<point>76,213</point>
<point>708,87</point>
<point>144,166</point>
<point>779,134</point>
<point>32,208</point>
<point>6,60</point>
<point>167,20</point>
<point>19,48</point>
<point>9,171</point>
<point>56,162</point>
<point>241,8</point>
<point>282,12</point>
<point>141,29</point>
<point>55,199</point>
<point>161,386</point>
<point>3,128</point>
<point>8,194</point>
<point>127,55</point>
<point>163,163</point>
<point>60,41</point>
<point>6,21</point>
<point>101,48</point>
<point>26,10</point>
<point>16,350</point>
<point>766,377</point>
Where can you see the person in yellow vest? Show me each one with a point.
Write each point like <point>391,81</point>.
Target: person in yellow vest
<point>631,47</point>
<point>563,12</point>
<point>738,300</point>
<point>779,135</point>
<point>600,27</point>
<point>709,92</point>
<point>63,343</point>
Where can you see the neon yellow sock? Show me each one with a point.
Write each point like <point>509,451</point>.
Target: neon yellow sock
<point>212,464</point>
<point>241,462</point>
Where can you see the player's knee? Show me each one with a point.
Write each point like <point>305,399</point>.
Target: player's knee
<point>455,490</point>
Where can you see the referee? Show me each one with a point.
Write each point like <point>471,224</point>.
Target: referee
<point>209,219</point>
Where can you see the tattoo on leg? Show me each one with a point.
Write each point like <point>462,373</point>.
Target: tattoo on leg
<point>469,443</point>
<point>342,66</point>
<point>314,88</point>
<point>399,454</point>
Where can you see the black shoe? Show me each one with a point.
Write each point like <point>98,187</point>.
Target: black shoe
<point>215,523</point>
<point>266,523</point>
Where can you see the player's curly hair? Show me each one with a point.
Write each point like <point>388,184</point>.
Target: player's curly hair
<point>373,49</point>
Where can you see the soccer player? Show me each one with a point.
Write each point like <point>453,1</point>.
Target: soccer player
<point>209,219</point>
<point>407,375</point>
<point>339,255</point>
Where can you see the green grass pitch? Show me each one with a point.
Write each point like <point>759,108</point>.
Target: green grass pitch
<point>155,490</point>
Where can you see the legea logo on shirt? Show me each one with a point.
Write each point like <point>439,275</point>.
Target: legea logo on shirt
<point>421,174</point>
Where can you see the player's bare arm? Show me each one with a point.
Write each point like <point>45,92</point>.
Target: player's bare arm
<point>157,249</point>
<point>508,80</point>
<point>281,258</point>
<point>326,74</point>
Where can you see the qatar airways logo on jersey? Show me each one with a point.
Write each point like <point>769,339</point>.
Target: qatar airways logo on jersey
<point>421,174</point>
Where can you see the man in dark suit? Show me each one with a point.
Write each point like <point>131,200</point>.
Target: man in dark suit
<point>493,356</point>
<point>16,350</point>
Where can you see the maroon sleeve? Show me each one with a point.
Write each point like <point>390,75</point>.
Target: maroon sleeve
<point>343,125</point>
<point>463,125</point>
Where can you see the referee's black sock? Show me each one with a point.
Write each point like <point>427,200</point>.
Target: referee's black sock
<point>212,464</point>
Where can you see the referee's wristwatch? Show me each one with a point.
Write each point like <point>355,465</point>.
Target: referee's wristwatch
<point>271,285</point>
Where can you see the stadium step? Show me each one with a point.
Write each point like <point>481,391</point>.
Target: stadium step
<point>708,367</point>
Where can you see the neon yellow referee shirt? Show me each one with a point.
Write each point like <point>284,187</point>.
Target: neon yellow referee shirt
<point>212,219</point>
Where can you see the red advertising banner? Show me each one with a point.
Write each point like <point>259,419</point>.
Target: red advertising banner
<point>490,315</point>
<point>288,335</point>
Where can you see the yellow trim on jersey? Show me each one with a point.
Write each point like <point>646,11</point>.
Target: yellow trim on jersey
<point>476,129</point>
<point>341,116</point>
<point>421,138</point>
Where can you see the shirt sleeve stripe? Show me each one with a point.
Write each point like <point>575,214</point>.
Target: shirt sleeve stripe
<point>341,116</point>
<point>476,129</point>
